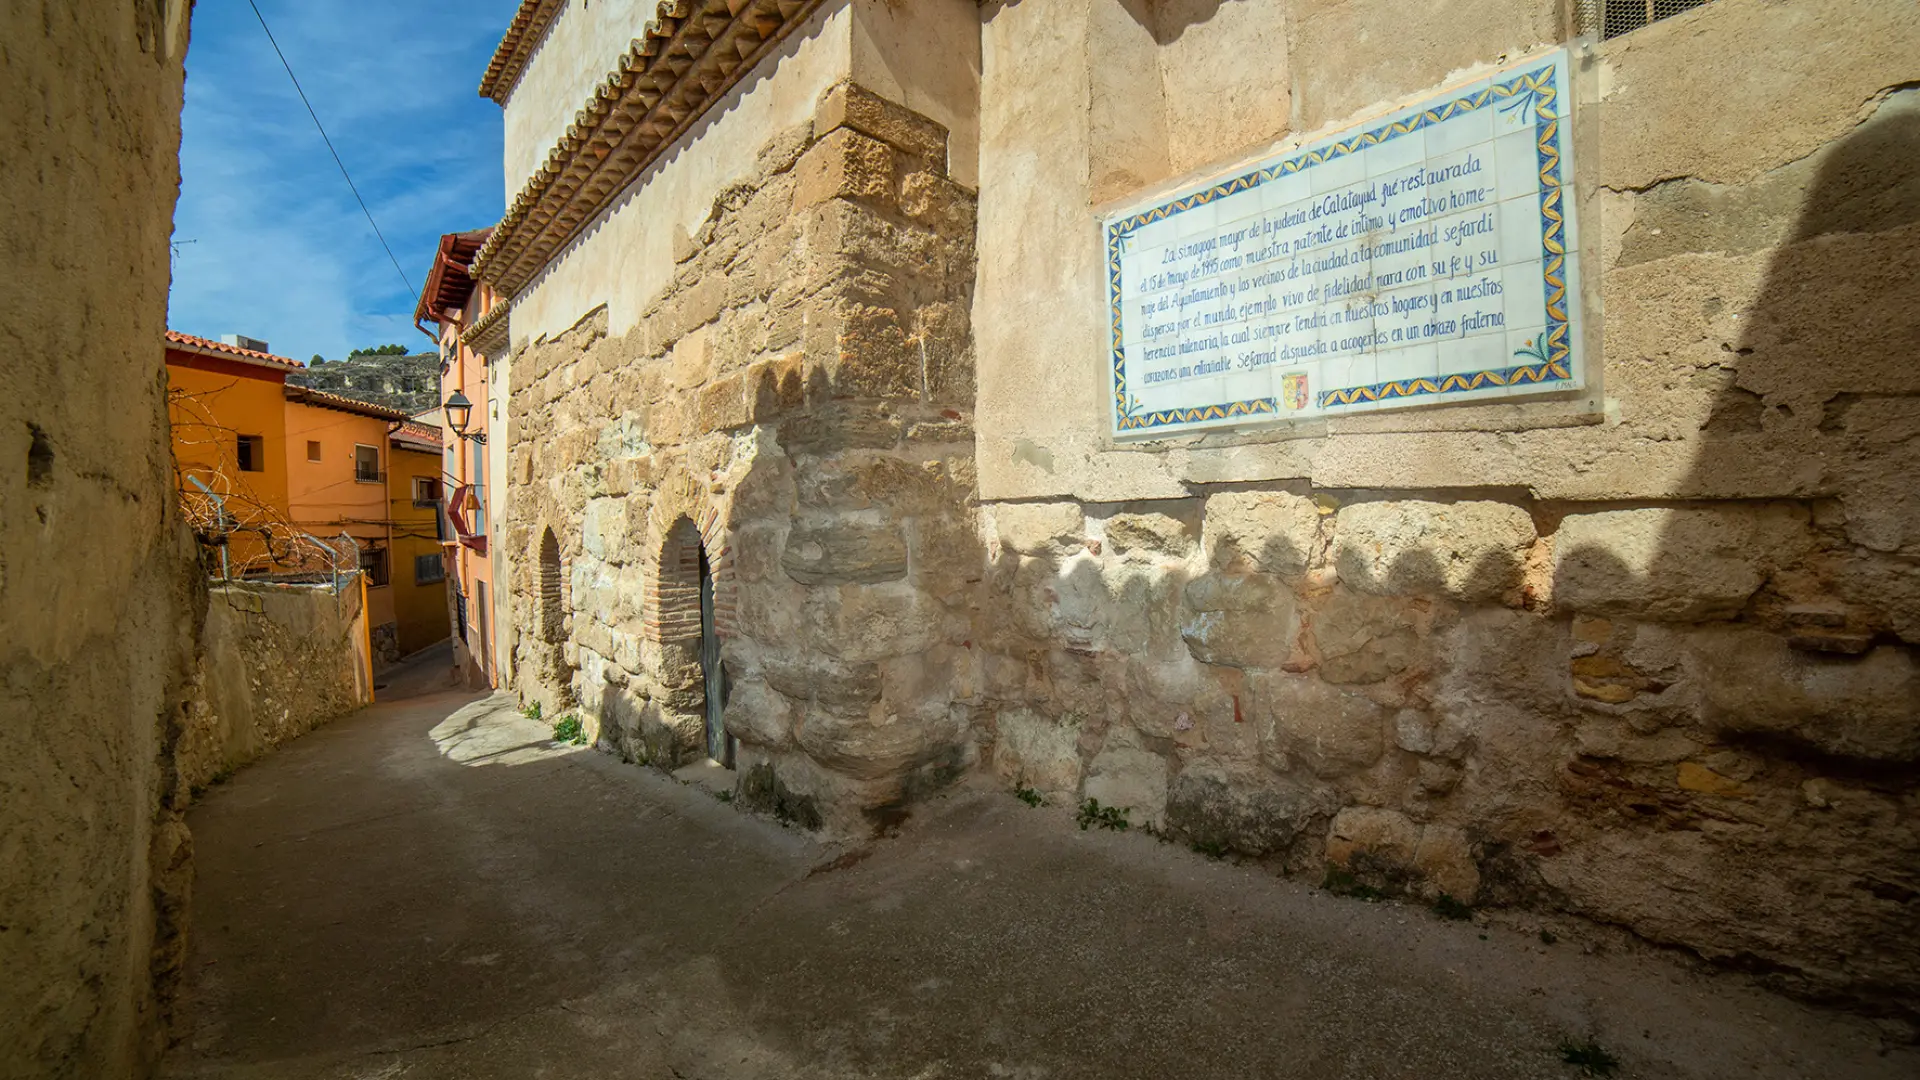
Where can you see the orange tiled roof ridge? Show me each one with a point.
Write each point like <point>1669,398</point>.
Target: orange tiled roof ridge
<point>200,344</point>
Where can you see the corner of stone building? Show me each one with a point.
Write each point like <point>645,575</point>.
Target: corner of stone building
<point>793,411</point>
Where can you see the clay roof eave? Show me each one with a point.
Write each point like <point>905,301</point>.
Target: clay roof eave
<point>307,395</point>
<point>530,24</point>
<point>220,350</point>
<point>687,59</point>
<point>449,283</point>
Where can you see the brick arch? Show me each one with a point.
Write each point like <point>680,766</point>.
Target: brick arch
<point>550,585</point>
<point>684,521</point>
<point>552,600</point>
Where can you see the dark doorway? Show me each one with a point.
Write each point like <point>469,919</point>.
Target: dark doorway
<point>713,673</point>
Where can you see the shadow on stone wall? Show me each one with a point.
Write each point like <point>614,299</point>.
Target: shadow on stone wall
<point>1692,715</point>
<point>1757,642</point>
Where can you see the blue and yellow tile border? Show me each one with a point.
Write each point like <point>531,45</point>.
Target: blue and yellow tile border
<point>1548,357</point>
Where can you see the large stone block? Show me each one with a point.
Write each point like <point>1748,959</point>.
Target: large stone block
<point>1444,859</point>
<point>845,552</point>
<point>1244,813</point>
<point>1367,837</point>
<point>843,164</point>
<point>870,481</point>
<point>753,396</point>
<point>603,530</point>
<point>1129,777</point>
<point>1040,528</point>
<point>1149,534</point>
<point>1273,532</point>
<point>1244,621</point>
<point>834,427</point>
<point>1864,707</point>
<point>847,688</point>
<point>875,745</point>
<point>863,623</point>
<point>759,716</point>
<point>1037,752</point>
<point>868,355</point>
<point>850,105</point>
<point>1364,639</point>
<point>1067,605</point>
<point>771,611</point>
<point>1470,551</point>
<point>1329,731</point>
<point>1678,564</point>
<point>945,338</point>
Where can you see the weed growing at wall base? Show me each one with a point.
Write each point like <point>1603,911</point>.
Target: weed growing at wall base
<point>568,730</point>
<point>1589,1058</point>
<point>1212,849</point>
<point>1341,883</point>
<point>1029,796</point>
<point>1107,817</point>
<point>531,712</point>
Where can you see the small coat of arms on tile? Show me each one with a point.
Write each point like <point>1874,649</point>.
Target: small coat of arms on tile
<point>1293,389</point>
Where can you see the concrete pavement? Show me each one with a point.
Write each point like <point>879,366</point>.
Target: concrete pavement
<point>431,888</point>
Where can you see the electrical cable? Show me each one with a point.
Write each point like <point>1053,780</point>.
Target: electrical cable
<point>336,154</point>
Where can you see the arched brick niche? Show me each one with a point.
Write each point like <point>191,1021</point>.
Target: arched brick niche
<point>675,616</point>
<point>685,522</point>
<point>550,586</point>
<point>552,599</point>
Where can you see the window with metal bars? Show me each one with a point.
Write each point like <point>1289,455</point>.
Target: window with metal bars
<point>1611,18</point>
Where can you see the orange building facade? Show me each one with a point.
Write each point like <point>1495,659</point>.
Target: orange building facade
<point>464,315</point>
<point>228,414</point>
<point>418,564</point>
<point>287,481</point>
<point>337,457</point>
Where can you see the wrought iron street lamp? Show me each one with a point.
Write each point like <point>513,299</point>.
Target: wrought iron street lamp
<point>460,414</point>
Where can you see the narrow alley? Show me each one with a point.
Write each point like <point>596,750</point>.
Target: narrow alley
<point>434,888</point>
<point>934,539</point>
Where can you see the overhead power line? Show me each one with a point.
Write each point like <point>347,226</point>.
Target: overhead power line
<point>331,150</point>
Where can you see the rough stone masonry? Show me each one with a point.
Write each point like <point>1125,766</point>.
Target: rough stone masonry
<point>1648,659</point>
<point>798,404</point>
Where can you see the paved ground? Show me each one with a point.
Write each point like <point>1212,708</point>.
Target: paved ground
<point>431,888</point>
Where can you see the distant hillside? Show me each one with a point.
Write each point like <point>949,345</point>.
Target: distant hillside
<point>411,382</point>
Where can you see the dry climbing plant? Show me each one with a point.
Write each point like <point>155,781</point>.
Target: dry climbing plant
<point>218,507</point>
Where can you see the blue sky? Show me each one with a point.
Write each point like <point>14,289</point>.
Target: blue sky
<point>280,249</point>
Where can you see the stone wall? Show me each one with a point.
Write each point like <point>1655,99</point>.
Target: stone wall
<point>796,405</point>
<point>98,587</point>
<point>276,661</point>
<point>1653,662</point>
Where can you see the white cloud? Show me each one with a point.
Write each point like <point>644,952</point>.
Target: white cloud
<point>280,248</point>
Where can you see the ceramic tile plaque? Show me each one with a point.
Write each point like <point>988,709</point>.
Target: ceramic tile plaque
<point>1415,260</point>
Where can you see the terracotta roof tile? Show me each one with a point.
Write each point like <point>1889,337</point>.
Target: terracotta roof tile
<point>309,396</point>
<point>416,433</point>
<point>686,59</point>
<point>523,34</point>
<point>190,343</point>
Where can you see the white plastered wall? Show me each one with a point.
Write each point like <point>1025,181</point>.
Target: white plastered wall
<point>578,50</point>
<point>625,257</point>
